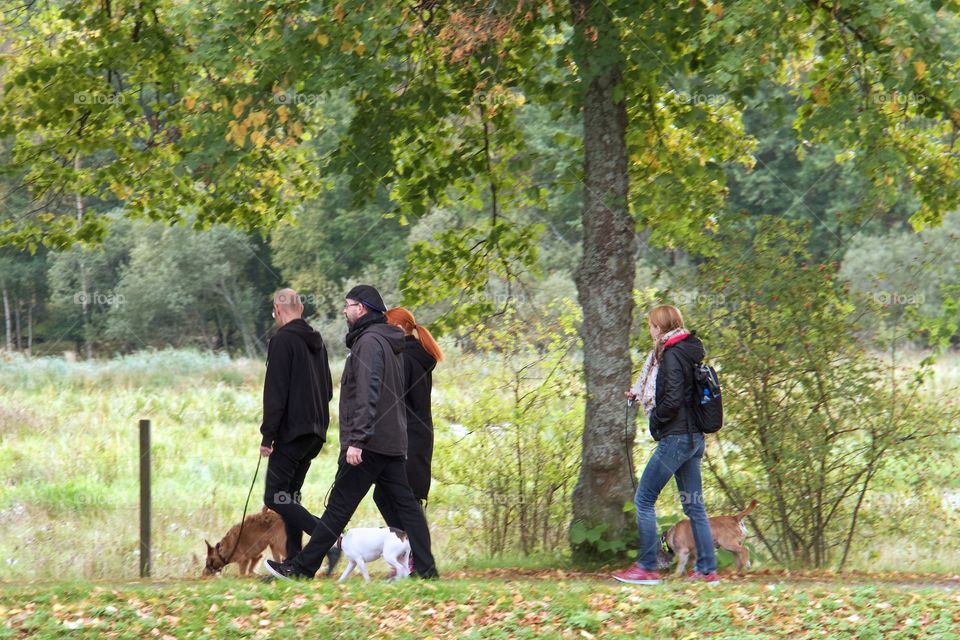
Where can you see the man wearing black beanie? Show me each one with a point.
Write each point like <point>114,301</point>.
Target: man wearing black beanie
<point>373,439</point>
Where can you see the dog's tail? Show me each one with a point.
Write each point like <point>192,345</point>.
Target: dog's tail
<point>743,514</point>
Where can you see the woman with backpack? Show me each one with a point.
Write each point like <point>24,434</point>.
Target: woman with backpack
<point>665,391</point>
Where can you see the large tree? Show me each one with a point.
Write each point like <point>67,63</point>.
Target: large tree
<point>207,113</point>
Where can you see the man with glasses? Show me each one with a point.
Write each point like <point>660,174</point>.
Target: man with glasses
<point>296,395</point>
<point>373,439</point>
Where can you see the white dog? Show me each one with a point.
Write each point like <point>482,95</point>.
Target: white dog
<point>363,545</point>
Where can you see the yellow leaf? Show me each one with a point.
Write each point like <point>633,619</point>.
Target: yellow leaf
<point>359,49</point>
<point>257,138</point>
<point>346,46</point>
<point>716,9</point>
<point>820,94</point>
<point>282,113</point>
<point>189,102</point>
<point>237,133</point>
<point>920,67</point>
<point>323,39</point>
<point>120,190</point>
<point>256,118</point>
<point>240,106</point>
<point>338,12</point>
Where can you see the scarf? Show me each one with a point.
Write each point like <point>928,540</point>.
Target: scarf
<point>646,386</point>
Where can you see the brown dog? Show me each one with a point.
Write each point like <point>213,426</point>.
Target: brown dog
<point>259,531</point>
<point>728,533</point>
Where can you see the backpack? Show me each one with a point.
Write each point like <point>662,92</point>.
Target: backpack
<point>707,400</point>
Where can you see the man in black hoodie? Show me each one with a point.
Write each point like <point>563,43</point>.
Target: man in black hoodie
<point>296,395</point>
<point>373,439</point>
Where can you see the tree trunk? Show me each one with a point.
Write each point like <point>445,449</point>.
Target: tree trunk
<point>16,317</point>
<point>246,334</point>
<point>84,294</point>
<point>604,280</point>
<point>33,301</point>
<point>6,317</point>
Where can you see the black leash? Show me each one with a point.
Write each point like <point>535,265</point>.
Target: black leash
<point>244,517</point>
<point>628,444</point>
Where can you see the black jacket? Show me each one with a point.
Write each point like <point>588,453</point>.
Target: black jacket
<point>674,392</point>
<point>372,413</point>
<point>418,377</point>
<point>418,368</point>
<point>297,388</point>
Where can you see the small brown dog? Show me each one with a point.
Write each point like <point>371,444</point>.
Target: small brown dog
<point>728,533</point>
<point>259,531</point>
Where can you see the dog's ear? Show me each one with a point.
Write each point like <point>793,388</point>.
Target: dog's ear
<point>209,548</point>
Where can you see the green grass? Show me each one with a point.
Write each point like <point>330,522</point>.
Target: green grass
<point>564,606</point>
<point>69,453</point>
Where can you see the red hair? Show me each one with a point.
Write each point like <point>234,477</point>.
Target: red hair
<point>402,317</point>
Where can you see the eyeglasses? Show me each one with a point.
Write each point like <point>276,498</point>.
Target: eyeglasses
<point>352,304</point>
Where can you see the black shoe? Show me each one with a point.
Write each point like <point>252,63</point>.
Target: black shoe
<point>427,575</point>
<point>283,570</point>
<point>333,557</point>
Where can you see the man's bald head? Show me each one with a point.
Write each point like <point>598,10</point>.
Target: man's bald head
<point>287,306</point>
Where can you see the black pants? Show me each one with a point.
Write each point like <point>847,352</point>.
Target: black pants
<point>350,487</point>
<point>286,470</point>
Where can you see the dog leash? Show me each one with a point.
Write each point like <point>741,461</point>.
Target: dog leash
<point>244,517</point>
<point>626,441</point>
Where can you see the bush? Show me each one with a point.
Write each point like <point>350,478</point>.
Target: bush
<point>811,417</point>
<point>508,453</point>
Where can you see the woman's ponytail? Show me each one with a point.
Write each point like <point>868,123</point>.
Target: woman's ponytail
<point>399,315</point>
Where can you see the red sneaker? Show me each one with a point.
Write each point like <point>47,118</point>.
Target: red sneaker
<point>637,575</point>
<point>696,576</point>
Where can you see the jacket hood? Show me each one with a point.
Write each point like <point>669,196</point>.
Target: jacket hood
<point>691,347</point>
<point>394,335</point>
<point>306,332</point>
<point>416,351</point>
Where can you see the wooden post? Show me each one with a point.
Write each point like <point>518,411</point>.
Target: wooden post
<point>145,499</point>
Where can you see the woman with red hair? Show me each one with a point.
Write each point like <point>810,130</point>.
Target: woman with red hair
<point>420,355</point>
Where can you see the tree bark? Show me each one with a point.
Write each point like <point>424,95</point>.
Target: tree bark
<point>604,279</point>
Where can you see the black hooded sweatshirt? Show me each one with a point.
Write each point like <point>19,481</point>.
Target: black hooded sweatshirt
<point>418,377</point>
<point>418,368</point>
<point>298,388</point>
<point>674,393</point>
<point>372,413</point>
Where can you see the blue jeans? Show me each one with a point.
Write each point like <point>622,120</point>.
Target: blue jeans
<point>678,456</point>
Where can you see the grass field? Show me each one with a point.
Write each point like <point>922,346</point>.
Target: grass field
<point>550,605</point>
<point>69,455</point>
